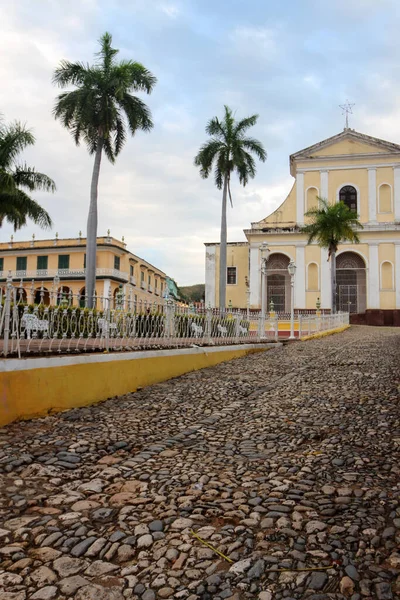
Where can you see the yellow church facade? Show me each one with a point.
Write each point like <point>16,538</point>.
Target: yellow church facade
<point>363,172</point>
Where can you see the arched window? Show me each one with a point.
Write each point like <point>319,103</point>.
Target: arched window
<point>312,195</point>
<point>348,195</point>
<point>386,276</point>
<point>385,198</point>
<point>312,278</point>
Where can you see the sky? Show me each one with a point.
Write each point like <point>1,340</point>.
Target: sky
<point>292,63</point>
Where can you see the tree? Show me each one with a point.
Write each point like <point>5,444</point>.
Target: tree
<point>98,111</point>
<point>330,225</point>
<point>16,205</point>
<point>227,151</point>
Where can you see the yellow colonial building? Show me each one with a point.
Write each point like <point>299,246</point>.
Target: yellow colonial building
<point>363,172</point>
<point>38,262</point>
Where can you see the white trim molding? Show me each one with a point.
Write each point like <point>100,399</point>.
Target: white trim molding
<point>310,187</point>
<point>210,276</point>
<point>236,275</point>
<point>396,193</point>
<point>326,281</point>
<point>342,185</point>
<point>255,276</point>
<point>382,289</point>
<point>300,198</point>
<point>381,212</point>
<point>371,196</point>
<point>324,183</point>
<point>312,262</point>
<point>346,167</point>
<point>397,273</point>
<point>373,277</point>
<point>355,251</point>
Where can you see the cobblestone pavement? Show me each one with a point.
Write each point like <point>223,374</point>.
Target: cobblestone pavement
<point>283,461</point>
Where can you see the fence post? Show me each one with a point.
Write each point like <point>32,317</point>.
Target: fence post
<point>7,309</point>
<point>300,322</point>
<point>276,327</point>
<point>237,325</point>
<point>208,325</point>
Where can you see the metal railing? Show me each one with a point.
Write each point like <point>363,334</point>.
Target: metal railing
<point>60,323</point>
<point>70,273</point>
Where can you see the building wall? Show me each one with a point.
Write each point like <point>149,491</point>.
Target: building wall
<point>107,276</point>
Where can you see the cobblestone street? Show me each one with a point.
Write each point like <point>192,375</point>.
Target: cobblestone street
<point>284,461</point>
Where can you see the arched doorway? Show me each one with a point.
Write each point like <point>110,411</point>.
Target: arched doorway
<point>82,298</point>
<point>278,283</point>
<point>351,283</point>
<point>42,296</point>
<point>64,296</point>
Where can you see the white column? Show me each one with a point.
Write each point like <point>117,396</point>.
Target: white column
<point>210,299</point>
<point>326,281</point>
<point>255,276</point>
<point>396,193</point>
<point>373,277</point>
<point>300,198</point>
<point>397,274</point>
<point>372,195</point>
<point>106,287</point>
<point>323,185</point>
<point>300,279</point>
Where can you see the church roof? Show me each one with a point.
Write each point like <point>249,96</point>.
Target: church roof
<point>382,146</point>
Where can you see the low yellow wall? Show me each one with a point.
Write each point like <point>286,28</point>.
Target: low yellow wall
<point>321,334</point>
<point>37,386</point>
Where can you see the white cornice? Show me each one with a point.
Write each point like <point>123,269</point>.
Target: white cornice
<point>348,167</point>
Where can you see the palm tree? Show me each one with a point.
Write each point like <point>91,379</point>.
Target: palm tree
<point>98,111</point>
<point>228,150</point>
<point>16,205</point>
<point>330,225</point>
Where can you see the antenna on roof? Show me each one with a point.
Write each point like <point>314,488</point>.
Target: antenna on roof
<point>347,109</point>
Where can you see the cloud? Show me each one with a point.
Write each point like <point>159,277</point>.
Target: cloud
<point>292,67</point>
<point>257,42</point>
<point>171,10</point>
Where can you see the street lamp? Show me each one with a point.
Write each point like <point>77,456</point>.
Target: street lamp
<point>292,272</point>
<point>265,253</point>
<point>246,279</point>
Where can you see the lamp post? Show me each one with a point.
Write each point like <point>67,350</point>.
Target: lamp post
<point>246,279</point>
<point>292,271</point>
<point>265,253</point>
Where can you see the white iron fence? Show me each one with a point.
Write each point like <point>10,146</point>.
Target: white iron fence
<point>59,323</point>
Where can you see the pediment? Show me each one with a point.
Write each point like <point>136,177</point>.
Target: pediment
<point>347,143</point>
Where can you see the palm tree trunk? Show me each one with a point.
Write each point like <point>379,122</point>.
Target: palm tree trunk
<point>222,249</point>
<point>91,238</point>
<point>333,279</point>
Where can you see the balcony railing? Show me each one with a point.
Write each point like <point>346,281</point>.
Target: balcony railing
<point>150,287</point>
<point>64,273</point>
<point>132,279</point>
<point>143,285</point>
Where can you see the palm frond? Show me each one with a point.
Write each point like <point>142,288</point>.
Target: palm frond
<point>69,73</point>
<point>331,224</point>
<point>14,138</point>
<point>244,124</point>
<point>101,105</point>
<point>16,208</point>
<point>256,147</point>
<point>27,177</point>
<point>228,150</point>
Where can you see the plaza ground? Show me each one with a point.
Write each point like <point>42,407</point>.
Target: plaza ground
<point>285,462</point>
